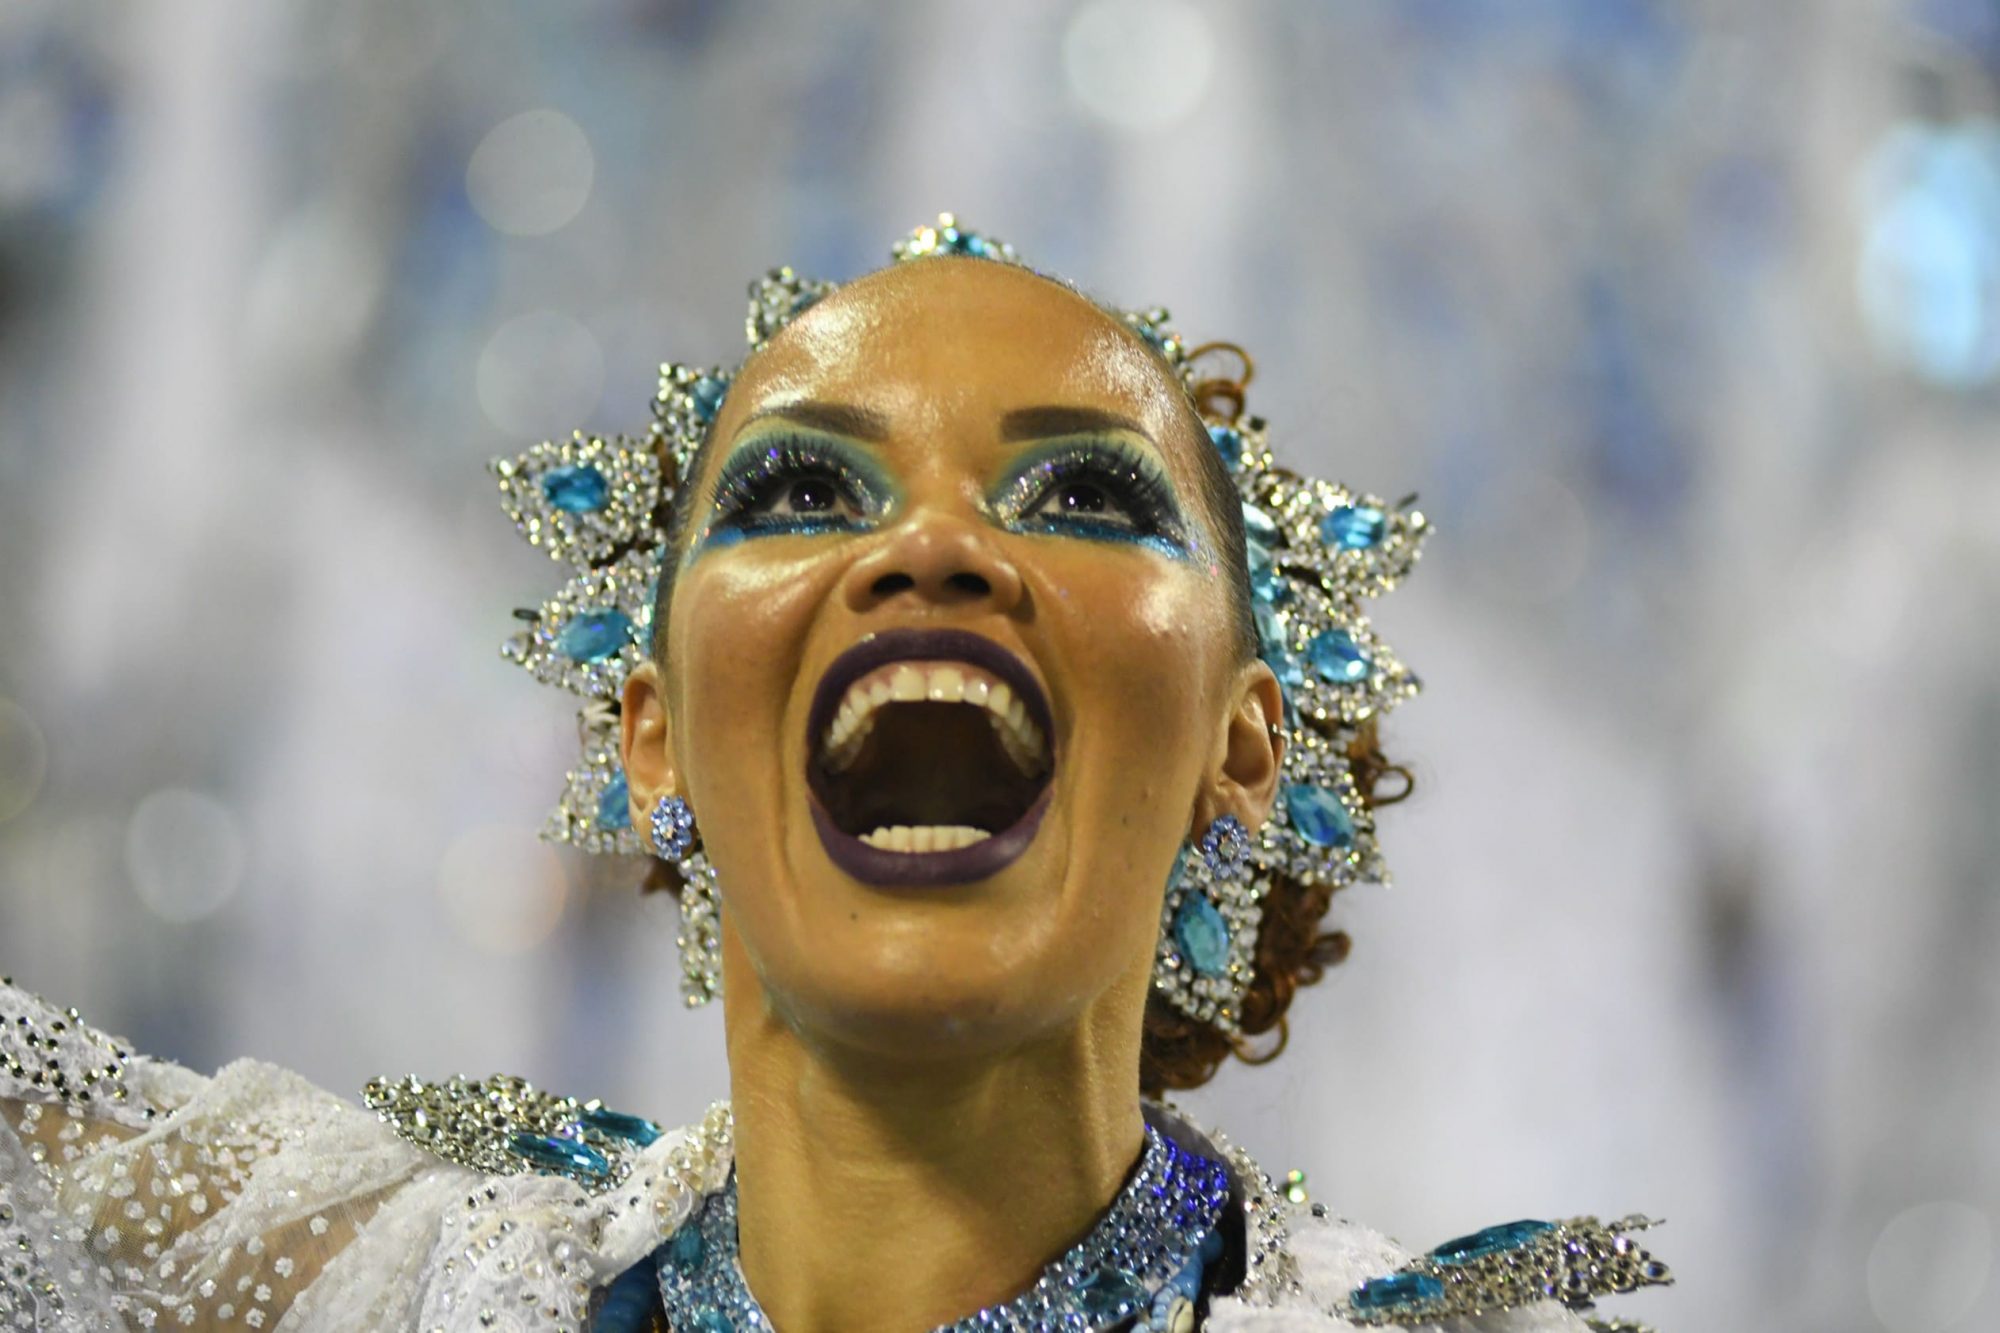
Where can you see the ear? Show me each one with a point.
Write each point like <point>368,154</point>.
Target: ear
<point>646,742</point>
<point>1243,771</point>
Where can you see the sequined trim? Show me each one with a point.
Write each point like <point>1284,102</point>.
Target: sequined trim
<point>51,1055</point>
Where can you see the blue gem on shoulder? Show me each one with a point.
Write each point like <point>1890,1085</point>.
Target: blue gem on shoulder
<point>554,1152</point>
<point>1491,1240</point>
<point>633,1129</point>
<point>1399,1293</point>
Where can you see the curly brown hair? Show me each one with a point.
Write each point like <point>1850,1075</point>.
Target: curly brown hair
<point>1178,1052</point>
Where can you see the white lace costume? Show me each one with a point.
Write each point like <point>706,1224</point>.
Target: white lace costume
<point>135,1194</point>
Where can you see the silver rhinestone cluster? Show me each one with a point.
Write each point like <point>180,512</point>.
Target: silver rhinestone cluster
<point>1574,1262</point>
<point>472,1123</point>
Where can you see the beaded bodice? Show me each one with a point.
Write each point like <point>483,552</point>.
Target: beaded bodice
<point>135,1194</point>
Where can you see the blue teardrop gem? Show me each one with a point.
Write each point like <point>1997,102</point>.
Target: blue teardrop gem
<point>1319,816</point>
<point>1338,658</point>
<point>616,1124</point>
<point>1259,526</point>
<point>1396,1293</point>
<point>594,635</point>
<point>559,1154</point>
<point>1228,442</point>
<point>1491,1240</point>
<point>1353,527</point>
<point>1202,934</point>
<point>1266,584</point>
<point>577,490</point>
<point>706,394</point>
<point>1109,1293</point>
<point>1273,648</point>
<point>614,804</point>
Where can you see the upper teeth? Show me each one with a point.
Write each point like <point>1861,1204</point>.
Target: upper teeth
<point>935,682</point>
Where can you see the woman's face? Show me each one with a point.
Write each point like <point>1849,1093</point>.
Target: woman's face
<point>949,667</point>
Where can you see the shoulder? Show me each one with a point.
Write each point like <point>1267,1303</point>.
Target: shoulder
<point>1522,1279</point>
<point>1311,1270</point>
<point>138,1193</point>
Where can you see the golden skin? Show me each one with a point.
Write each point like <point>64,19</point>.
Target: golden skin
<point>936,1089</point>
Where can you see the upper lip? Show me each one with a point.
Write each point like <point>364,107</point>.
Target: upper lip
<point>923,645</point>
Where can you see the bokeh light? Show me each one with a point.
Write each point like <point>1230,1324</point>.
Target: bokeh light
<point>531,174</point>
<point>1930,270</point>
<point>540,375</point>
<point>503,889</point>
<point>24,759</point>
<point>1142,65</point>
<point>1929,1266</point>
<point>184,853</point>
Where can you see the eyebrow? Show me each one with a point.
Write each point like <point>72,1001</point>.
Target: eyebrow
<point>1023,423</point>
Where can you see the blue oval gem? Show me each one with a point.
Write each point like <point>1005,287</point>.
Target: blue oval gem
<point>1228,442</point>
<point>1319,816</point>
<point>614,804</point>
<point>594,635</point>
<point>577,490</point>
<point>618,1125</point>
<point>1353,527</point>
<point>1202,934</point>
<point>1338,658</point>
<point>1491,1240</point>
<point>707,394</point>
<point>1110,1293</point>
<point>1396,1293</point>
<point>552,1153</point>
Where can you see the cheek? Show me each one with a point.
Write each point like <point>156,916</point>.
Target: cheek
<point>740,623</point>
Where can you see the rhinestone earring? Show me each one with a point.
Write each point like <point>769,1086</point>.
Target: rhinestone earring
<point>700,937</point>
<point>1208,925</point>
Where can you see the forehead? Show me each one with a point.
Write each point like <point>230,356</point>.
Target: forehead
<point>931,342</point>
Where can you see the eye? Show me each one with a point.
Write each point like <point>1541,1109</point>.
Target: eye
<point>1093,488</point>
<point>793,485</point>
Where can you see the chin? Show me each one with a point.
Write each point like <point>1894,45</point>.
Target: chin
<point>930,991</point>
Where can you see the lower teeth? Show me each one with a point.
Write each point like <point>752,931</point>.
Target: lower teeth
<point>925,837</point>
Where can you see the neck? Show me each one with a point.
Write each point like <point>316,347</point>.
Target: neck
<point>907,1194</point>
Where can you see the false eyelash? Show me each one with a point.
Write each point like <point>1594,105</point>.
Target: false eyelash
<point>1132,481</point>
<point>755,475</point>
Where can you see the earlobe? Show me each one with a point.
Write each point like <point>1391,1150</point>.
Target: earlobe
<point>645,741</point>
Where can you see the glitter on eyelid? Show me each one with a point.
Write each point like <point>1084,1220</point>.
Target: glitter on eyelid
<point>1133,482</point>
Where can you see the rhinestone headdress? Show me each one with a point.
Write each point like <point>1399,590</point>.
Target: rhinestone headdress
<point>1317,552</point>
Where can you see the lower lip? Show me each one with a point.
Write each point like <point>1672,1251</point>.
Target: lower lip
<point>961,865</point>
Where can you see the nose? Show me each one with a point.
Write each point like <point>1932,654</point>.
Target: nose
<point>936,558</point>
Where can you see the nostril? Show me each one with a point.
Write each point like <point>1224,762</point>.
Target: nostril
<point>891,584</point>
<point>975,584</point>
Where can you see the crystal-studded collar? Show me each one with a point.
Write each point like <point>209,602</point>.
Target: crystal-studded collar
<point>1145,1260</point>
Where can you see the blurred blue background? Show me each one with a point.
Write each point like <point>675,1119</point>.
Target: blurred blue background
<point>1684,319</point>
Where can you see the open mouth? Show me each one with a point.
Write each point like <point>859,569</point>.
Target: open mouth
<point>930,757</point>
